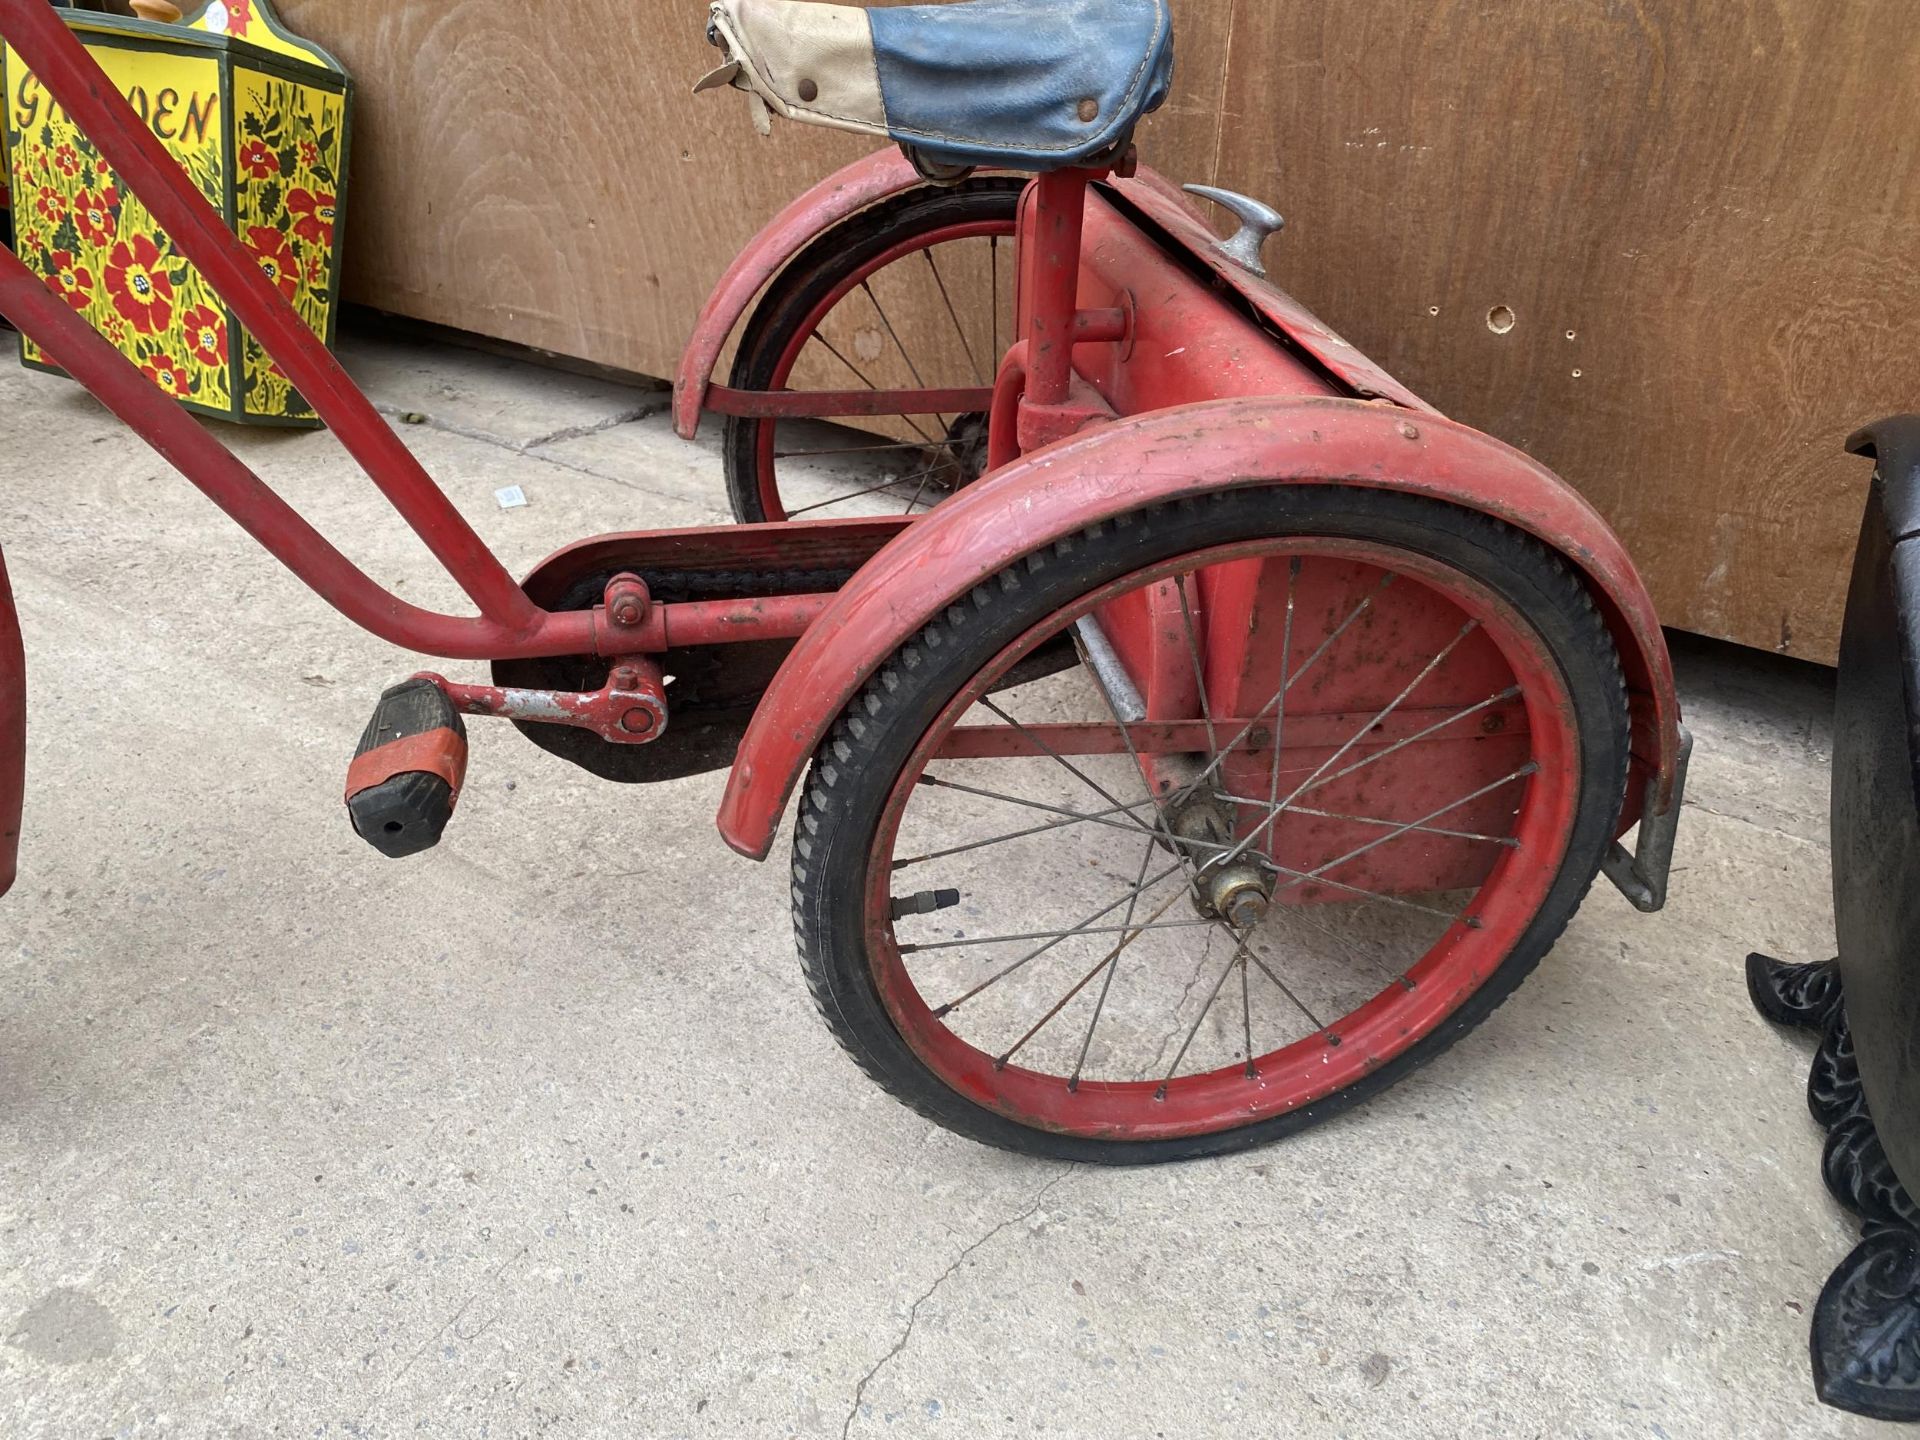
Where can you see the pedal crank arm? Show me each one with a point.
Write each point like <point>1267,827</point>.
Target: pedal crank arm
<point>630,709</point>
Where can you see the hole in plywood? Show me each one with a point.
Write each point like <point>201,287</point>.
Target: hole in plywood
<point>1500,319</point>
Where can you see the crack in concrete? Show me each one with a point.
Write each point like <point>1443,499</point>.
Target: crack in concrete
<point>1753,824</point>
<point>626,417</point>
<point>913,1311</point>
<point>429,421</point>
<point>532,449</point>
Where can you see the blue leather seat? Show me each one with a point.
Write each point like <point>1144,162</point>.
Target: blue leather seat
<point>1024,84</point>
<point>1030,84</point>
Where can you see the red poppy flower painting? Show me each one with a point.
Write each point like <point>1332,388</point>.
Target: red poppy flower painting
<point>313,214</point>
<point>49,204</point>
<point>141,291</point>
<point>167,373</point>
<point>73,281</point>
<point>257,160</point>
<point>206,335</point>
<point>66,160</point>
<point>275,257</point>
<point>93,217</point>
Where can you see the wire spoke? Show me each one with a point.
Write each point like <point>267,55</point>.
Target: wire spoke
<point>1507,694</point>
<point>861,375</point>
<point>1399,830</point>
<point>858,449</point>
<point>1050,934</point>
<point>1074,770</point>
<point>912,369</point>
<point>1509,841</point>
<point>1246,1016</point>
<point>953,315</point>
<point>1287,682</point>
<point>1012,835</point>
<point>1371,896</point>
<point>1199,671</point>
<point>1286,990</point>
<point>1032,955</point>
<point>1238,951</point>
<point>1286,649</point>
<point>1106,986</point>
<point>887,484</point>
<point>1094,817</point>
<point>993,260</point>
<point>1110,958</point>
<point>1266,824</point>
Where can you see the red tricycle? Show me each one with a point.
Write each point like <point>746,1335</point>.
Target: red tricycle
<point>1193,730</point>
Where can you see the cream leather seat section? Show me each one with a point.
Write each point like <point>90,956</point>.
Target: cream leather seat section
<point>808,61</point>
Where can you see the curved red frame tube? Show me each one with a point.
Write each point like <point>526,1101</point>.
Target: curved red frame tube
<point>511,620</point>
<point>192,450</point>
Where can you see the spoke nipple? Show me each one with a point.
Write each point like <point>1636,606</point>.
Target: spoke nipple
<point>1001,1063</point>
<point>1073,1086</point>
<point>945,1010</point>
<point>1332,1039</point>
<point>1161,1093</point>
<point>1474,922</point>
<point>1253,1072</point>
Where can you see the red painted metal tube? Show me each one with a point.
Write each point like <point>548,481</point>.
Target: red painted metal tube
<point>63,66</point>
<point>689,624</point>
<point>1050,282</point>
<point>185,444</point>
<point>800,404</point>
<point>13,731</point>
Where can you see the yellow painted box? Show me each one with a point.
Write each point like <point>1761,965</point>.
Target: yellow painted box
<point>259,120</point>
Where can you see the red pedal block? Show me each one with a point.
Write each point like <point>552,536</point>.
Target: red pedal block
<point>406,774</point>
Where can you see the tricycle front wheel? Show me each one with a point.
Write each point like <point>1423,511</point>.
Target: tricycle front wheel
<point>1400,758</point>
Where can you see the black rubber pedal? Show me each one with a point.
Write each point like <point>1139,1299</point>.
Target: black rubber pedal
<point>406,775</point>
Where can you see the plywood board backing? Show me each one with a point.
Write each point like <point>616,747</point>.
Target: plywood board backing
<point>1718,198</point>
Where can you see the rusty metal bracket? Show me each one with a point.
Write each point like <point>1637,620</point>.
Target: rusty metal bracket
<point>630,709</point>
<point>1642,875</point>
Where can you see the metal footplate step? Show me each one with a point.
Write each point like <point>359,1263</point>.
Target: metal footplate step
<point>407,771</point>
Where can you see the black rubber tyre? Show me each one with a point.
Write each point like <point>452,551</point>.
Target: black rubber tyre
<point>813,274</point>
<point>855,770</point>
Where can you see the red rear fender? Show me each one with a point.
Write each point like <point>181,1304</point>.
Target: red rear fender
<point>1163,456</point>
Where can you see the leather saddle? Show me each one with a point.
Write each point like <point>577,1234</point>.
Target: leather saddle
<point>1017,84</point>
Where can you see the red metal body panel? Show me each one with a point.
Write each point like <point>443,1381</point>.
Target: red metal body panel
<point>1187,343</point>
<point>1162,456</point>
<point>1159,201</point>
<point>13,731</point>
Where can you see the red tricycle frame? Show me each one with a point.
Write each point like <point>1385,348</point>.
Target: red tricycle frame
<point>1100,257</point>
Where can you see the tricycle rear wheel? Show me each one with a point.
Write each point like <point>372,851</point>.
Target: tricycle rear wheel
<point>944,252</point>
<point>999,1001</point>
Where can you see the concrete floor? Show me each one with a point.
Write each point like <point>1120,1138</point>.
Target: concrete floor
<point>539,1134</point>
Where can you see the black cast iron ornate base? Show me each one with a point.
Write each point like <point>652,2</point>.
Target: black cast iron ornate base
<point>1866,1326</point>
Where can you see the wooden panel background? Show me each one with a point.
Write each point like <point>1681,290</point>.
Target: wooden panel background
<point>1704,216</point>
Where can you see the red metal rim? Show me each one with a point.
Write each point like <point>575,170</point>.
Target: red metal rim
<point>774,507</point>
<point>1360,1042</point>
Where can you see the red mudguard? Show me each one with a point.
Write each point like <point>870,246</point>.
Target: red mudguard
<point>863,183</point>
<point>1162,456</point>
<point>886,173</point>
